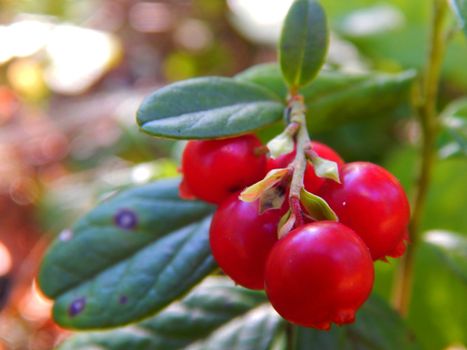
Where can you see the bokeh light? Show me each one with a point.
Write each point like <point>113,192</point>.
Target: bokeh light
<point>5,260</point>
<point>260,19</point>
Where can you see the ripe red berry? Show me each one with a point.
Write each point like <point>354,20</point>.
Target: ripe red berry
<point>319,273</point>
<point>311,181</point>
<point>241,240</point>
<point>214,169</point>
<point>371,202</point>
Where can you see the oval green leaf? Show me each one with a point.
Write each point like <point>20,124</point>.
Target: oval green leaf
<point>266,75</point>
<point>337,98</point>
<point>205,108</point>
<point>377,327</point>
<point>303,43</point>
<point>215,315</point>
<point>128,258</point>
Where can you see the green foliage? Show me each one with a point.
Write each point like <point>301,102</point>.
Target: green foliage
<point>460,10</point>
<point>335,98</point>
<point>453,138</point>
<point>303,43</point>
<point>377,327</point>
<point>215,315</point>
<point>237,106</point>
<point>208,108</point>
<point>452,248</point>
<point>438,290</point>
<point>218,315</point>
<point>408,34</point>
<point>128,258</point>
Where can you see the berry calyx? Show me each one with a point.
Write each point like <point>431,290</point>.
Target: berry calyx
<point>311,181</point>
<point>318,274</point>
<point>371,201</point>
<point>241,240</point>
<point>215,169</point>
<point>400,248</point>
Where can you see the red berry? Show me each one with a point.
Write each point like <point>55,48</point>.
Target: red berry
<point>319,273</point>
<point>214,169</point>
<point>371,202</point>
<point>311,181</point>
<point>241,240</point>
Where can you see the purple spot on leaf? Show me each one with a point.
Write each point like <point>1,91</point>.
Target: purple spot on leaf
<point>76,307</point>
<point>123,299</point>
<point>66,235</point>
<point>126,219</point>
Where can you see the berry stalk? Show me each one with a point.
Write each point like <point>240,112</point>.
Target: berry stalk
<point>299,163</point>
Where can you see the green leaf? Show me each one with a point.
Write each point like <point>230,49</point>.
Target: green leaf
<point>213,316</point>
<point>336,98</point>
<point>268,76</point>
<point>128,258</point>
<point>303,43</point>
<point>57,211</point>
<point>453,249</point>
<point>460,10</point>
<point>206,108</point>
<point>341,98</point>
<point>377,327</point>
<point>255,331</point>
<point>453,137</point>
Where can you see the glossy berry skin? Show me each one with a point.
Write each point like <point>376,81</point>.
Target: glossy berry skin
<point>319,273</point>
<point>214,169</point>
<point>241,240</point>
<point>311,181</point>
<point>371,202</point>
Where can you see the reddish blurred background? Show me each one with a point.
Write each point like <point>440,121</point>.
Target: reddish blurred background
<point>72,74</point>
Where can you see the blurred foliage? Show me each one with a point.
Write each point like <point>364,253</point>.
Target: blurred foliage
<point>438,291</point>
<point>214,315</point>
<point>453,138</point>
<point>377,327</point>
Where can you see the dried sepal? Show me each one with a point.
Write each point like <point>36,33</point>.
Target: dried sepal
<point>272,178</point>
<point>324,168</point>
<point>272,198</point>
<point>284,142</point>
<point>286,224</point>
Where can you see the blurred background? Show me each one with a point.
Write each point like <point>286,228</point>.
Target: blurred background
<point>72,74</point>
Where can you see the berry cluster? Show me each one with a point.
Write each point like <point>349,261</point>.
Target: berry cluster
<point>321,271</point>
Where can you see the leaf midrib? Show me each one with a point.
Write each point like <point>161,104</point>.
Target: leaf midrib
<point>302,45</point>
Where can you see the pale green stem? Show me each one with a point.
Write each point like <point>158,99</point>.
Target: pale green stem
<point>429,127</point>
<point>300,162</point>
